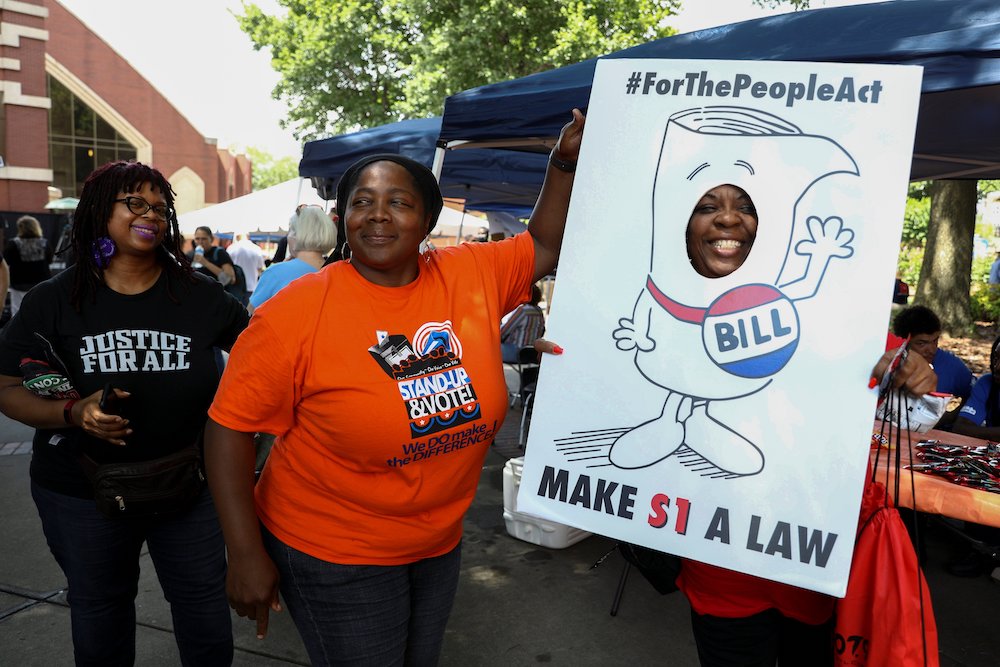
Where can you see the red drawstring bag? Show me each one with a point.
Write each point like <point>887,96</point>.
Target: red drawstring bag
<point>885,619</point>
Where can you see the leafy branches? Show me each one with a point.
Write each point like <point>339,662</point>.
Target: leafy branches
<point>361,63</point>
<point>796,4</point>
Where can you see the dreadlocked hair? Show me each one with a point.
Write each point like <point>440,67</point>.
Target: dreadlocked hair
<point>90,223</point>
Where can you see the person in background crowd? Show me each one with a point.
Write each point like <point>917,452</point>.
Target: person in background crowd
<point>281,251</point>
<point>130,313</point>
<point>64,248</point>
<point>211,260</point>
<point>901,292</point>
<point>248,256</point>
<point>4,286</point>
<point>28,255</point>
<point>363,540</point>
<point>994,277</point>
<point>311,235</point>
<point>980,418</point>
<point>921,325</point>
<point>214,262</point>
<point>523,326</point>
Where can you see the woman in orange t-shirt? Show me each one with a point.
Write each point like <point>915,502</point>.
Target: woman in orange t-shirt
<point>381,377</point>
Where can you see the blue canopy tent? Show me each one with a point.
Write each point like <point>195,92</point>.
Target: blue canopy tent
<point>956,41</point>
<point>488,180</point>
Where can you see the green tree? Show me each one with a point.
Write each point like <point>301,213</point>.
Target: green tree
<point>945,276</point>
<point>986,187</point>
<point>269,170</point>
<point>794,4</point>
<point>362,63</point>
<point>917,215</point>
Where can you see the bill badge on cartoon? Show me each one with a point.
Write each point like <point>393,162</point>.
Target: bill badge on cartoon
<point>729,179</point>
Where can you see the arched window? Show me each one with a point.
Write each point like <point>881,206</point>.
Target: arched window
<point>79,140</point>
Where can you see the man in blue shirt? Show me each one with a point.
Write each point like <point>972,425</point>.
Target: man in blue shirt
<point>923,327</point>
<point>995,270</point>
<point>980,418</point>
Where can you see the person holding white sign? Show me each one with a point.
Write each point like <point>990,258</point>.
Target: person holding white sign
<point>382,378</point>
<point>736,618</point>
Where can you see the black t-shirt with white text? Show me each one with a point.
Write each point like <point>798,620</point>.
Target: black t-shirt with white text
<point>158,348</point>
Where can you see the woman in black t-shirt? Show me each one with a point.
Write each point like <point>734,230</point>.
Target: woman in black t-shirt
<point>130,314</point>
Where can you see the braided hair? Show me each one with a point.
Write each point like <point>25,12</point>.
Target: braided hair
<point>93,212</point>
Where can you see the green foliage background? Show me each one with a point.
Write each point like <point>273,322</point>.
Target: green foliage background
<point>268,170</point>
<point>362,63</point>
<point>985,301</point>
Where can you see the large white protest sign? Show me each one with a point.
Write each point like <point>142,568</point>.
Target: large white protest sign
<point>725,419</point>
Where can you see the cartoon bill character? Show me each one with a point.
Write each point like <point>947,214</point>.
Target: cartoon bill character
<point>719,339</point>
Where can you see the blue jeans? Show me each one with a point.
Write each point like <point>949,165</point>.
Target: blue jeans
<point>373,615</point>
<point>100,558</point>
<point>509,353</point>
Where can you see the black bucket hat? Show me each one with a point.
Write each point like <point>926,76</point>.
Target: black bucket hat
<point>424,178</point>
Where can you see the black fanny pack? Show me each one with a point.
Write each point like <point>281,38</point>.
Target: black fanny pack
<point>145,489</point>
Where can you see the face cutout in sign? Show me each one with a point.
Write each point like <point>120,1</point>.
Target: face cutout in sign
<point>712,401</point>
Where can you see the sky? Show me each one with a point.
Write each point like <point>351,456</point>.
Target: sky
<point>195,54</point>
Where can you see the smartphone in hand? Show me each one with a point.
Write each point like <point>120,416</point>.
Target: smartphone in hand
<point>109,400</point>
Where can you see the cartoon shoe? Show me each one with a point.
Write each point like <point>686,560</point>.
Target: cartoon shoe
<point>655,440</point>
<point>715,450</point>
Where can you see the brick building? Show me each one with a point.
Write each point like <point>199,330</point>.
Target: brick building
<point>69,103</point>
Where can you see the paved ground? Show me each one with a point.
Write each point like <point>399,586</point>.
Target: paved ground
<point>518,604</point>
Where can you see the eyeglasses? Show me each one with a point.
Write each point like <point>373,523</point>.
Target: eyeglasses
<point>139,206</point>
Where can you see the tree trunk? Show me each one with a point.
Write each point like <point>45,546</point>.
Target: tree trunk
<point>945,274</point>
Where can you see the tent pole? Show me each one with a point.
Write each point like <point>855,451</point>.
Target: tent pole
<point>438,164</point>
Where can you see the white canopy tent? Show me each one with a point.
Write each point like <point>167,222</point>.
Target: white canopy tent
<point>454,226</point>
<point>263,211</point>
<point>267,212</point>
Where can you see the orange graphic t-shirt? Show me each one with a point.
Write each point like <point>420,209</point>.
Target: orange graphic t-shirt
<point>384,401</point>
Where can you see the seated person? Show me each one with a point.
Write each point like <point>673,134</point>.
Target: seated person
<point>980,418</point>
<point>922,326</point>
<point>523,326</point>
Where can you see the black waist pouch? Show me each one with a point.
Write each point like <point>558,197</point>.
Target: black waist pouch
<point>145,489</point>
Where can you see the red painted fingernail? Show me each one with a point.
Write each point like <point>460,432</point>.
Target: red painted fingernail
<point>872,382</point>
<point>556,349</point>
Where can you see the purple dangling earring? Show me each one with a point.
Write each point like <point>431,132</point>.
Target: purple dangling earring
<point>103,250</point>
